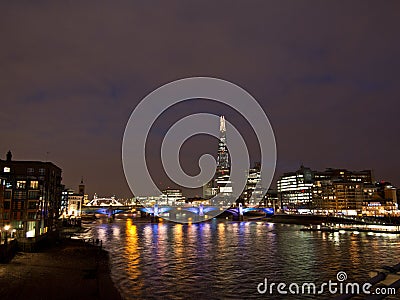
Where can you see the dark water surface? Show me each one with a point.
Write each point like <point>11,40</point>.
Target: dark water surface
<point>227,260</point>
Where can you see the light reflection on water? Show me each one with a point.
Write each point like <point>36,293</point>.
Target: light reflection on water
<point>220,259</point>
<point>132,265</point>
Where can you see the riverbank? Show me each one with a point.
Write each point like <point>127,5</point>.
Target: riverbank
<point>67,270</point>
<point>322,219</point>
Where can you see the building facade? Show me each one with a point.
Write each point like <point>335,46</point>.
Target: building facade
<point>340,191</point>
<point>295,189</point>
<point>338,197</point>
<point>32,196</point>
<point>380,199</point>
<point>75,203</point>
<point>333,191</point>
<point>66,193</point>
<point>252,193</point>
<point>71,202</point>
<point>172,197</point>
<point>2,187</point>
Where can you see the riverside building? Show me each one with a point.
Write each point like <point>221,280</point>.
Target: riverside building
<point>32,196</point>
<point>340,191</point>
<point>333,191</point>
<point>295,189</point>
<point>380,200</point>
<point>71,202</point>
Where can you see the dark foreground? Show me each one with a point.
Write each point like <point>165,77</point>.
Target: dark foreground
<point>69,270</point>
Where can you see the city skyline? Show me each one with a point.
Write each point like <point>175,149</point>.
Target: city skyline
<point>68,85</point>
<point>199,149</point>
<point>80,188</point>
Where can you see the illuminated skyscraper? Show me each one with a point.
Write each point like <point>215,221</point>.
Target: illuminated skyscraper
<point>221,182</point>
<point>223,155</point>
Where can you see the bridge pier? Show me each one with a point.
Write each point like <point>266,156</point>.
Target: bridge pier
<point>240,210</point>
<point>110,214</point>
<point>198,218</point>
<point>201,210</point>
<point>155,219</point>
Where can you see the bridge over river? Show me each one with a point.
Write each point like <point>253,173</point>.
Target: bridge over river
<point>112,207</point>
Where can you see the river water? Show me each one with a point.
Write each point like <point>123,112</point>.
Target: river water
<point>227,260</point>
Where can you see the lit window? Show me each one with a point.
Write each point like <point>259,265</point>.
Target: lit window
<point>34,184</point>
<point>21,184</point>
<point>6,170</point>
<point>30,170</point>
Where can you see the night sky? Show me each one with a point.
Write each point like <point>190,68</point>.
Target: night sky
<point>326,73</point>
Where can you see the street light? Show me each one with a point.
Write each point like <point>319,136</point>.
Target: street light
<point>6,228</point>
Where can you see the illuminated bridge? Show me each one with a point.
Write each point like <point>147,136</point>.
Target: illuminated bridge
<point>104,202</point>
<point>106,206</point>
<point>112,207</point>
<point>200,212</point>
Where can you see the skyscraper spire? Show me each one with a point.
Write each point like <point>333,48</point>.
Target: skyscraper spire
<point>221,182</point>
<point>222,127</point>
<point>223,155</point>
